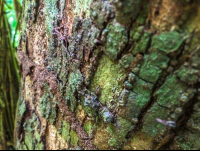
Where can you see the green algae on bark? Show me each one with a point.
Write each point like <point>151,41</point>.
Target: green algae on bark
<point>109,76</point>
<point>114,75</point>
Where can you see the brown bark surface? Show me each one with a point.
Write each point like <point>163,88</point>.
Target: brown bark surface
<point>97,74</point>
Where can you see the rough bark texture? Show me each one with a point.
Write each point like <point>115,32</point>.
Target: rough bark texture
<point>97,74</point>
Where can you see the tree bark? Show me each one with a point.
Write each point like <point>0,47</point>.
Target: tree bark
<point>102,74</point>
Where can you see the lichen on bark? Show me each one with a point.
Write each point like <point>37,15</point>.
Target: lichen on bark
<point>99,73</point>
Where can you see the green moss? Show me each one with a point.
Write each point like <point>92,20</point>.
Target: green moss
<point>167,42</point>
<point>138,98</point>
<point>128,111</point>
<point>74,138</point>
<point>136,36</point>
<point>117,39</point>
<point>22,107</point>
<point>170,91</point>
<point>70,98</point>
<point>32,134</point>
<point>190,140</point>
<point>143,13</point>
<point>188,74</point>
<point>75,82</point>
<point>142,45</point>
<point>118,135</point>
<point>107,76</point>
<point>28,141</point>
<point>126,11</point>
<point>143,90</point>
<point>48,105</point>
<point>138,142</point>
<point>39,146</point>
<point>152,66</point>
<point>88,127</point>
<point>63,75</point>
<point>167,101</point>
<point>26,11</point>
<point>90,111</point>
<point>82,6</point>
<point>100,12</point>
<point>66,131</point>
<point>126,60</point>
<point>157,60</point>
<point>51,13</point>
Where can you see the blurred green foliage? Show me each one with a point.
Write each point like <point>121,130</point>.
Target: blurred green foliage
<point>12,19</point>
<point>10,14</point>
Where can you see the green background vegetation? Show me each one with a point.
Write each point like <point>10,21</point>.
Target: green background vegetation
<point>10,11</point>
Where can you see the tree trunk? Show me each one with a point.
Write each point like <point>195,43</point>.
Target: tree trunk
<point>103,74</point>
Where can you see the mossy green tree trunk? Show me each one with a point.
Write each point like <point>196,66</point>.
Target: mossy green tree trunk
<point>98,73</point>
